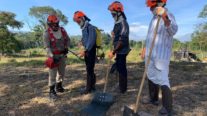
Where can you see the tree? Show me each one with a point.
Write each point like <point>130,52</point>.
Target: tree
<point>8,42</point>
<point>199,37</point>
<point>41,14</point>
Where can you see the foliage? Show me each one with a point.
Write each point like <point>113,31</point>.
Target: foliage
<point>8,42</point>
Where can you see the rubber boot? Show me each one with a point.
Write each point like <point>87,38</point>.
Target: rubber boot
<point>153,94</point>
<point>59,87</point>
<point>166,101</point>
<point>52,93</point>
<point>93,88</point>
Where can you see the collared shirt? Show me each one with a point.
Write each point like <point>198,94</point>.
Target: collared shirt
<point>164,40</point>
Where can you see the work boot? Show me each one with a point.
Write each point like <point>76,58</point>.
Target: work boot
<point>93,88</point>
<point>149,101</point>
<point>166,101</point>
<point>59,87</point>
<point>52,92</point>
<point>85,91</point>
<point>163,112</point>
<point>153,94</point>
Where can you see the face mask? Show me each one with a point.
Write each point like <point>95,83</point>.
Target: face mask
<point>81,24</point>
<point>55,26</point>
<point>153,10</point>
<point>116,15</point>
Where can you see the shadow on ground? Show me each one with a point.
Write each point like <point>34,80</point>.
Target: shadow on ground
<point>24,90</point>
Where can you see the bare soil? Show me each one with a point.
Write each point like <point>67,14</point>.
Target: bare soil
<point>24,90</point>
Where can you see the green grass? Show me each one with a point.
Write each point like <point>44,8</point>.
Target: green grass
<point>36,57</point>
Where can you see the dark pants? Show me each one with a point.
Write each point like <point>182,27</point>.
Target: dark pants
<point>121,67</point>
<point>90,63</point>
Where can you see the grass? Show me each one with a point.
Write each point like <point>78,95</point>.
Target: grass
<point>36,57</point>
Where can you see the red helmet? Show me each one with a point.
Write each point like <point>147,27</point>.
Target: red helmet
<point>52,19</point>
<point>116,6</point>
<point>78,15</point>
<point>152,3</point>
<point>50,63</point>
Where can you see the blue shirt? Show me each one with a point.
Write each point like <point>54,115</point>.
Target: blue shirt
<point>89,36</point>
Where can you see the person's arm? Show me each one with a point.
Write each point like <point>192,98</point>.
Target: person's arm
<point>123,35</point>
<point>68,40</point>
<point>46,44</point>
<point>171,24</point>
<point>169,20</point>
<point>91,38</point>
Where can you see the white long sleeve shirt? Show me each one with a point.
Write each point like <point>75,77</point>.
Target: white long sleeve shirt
<point>164,40</point>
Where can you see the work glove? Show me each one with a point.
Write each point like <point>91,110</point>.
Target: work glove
<point>56,59</point>
<point>65,52</point>
<point>111,54</point>
<point>160,11</point>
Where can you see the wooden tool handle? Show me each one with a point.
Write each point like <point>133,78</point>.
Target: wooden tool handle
<point>146,66</point>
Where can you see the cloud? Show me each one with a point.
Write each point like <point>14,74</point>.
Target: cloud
<point>137,27</point>
<point>138,31</point>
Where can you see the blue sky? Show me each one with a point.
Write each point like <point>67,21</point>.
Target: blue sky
<point>139,16</point>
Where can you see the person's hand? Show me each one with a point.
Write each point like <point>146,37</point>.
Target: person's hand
<point>160,11</point>
<point>56,60</point>
<point>112,35</point>
<point>65,52</point>
<point>110,54</point>
<point>81,54</point>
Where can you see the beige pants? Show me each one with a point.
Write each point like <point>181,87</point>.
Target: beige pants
<point>57,74</point>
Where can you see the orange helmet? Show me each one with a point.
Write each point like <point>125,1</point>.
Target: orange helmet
<point>78,15</point>
<point>116,6</point>
<point>151,3</point>
<point>52,19</point>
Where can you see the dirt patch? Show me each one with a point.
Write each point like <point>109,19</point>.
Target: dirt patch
<point>24,90</point>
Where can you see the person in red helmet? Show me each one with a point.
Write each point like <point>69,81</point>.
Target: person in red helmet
<point>120,36</point>
<point>56,42</point>
<point>158,68</point>
<point>89,42</point>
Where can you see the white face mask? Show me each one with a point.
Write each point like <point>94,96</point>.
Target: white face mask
<point>81,24</point>
<point>117,16</point>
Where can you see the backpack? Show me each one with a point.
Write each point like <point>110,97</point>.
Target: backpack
<point>98,38</point>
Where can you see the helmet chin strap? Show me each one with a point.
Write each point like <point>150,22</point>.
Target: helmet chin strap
<point>118,15</point>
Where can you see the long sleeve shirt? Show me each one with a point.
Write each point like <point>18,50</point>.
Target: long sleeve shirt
<point>60,43</point>
<point>88,36</point>
<point>121,33</point>
<point>164,40</point>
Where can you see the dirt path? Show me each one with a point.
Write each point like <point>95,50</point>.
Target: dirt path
<point>24,91</point>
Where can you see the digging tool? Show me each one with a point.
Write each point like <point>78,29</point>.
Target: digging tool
<point>127,110</point>
<point>101,101</point>
<point>75,54</point>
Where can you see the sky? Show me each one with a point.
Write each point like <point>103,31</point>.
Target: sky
<point>138,15</point>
